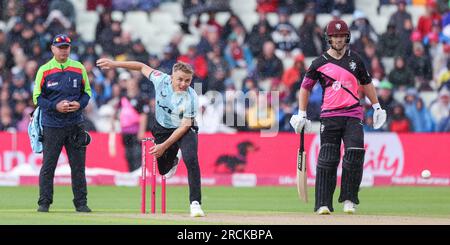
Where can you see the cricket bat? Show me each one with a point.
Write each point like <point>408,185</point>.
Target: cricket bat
<point>302,175</point>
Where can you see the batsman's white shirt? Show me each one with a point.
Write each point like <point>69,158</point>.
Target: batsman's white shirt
<point>172,106</point>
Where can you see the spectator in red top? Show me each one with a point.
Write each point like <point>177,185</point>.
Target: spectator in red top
<point>399,122</point>
<point>93,5</point>
<point>293,74</point>
<point>267,6</point>
<point>425,22</point>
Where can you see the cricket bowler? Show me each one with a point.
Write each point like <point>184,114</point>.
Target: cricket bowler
<point>174,129</point>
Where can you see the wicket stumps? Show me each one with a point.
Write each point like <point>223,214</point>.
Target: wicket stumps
<point>145,153</point>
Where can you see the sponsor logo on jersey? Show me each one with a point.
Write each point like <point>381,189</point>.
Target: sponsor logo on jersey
<point>51,84</point>
<point>336,85</point>
<point>352,65</point>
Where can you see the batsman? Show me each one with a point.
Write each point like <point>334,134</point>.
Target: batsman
<point>341,73</point>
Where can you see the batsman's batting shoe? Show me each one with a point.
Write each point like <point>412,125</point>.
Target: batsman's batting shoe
<point>173,170</point>
<point>349,207</point>
<point>324,210</point>
<point>83,209</point>
<point>43,208</point>
<point>196,210</point>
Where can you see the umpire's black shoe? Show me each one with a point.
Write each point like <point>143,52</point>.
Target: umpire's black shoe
<point>83,209</point>
<point>43,208</point>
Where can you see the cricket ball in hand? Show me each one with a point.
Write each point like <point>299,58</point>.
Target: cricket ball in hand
<point>426,174</point>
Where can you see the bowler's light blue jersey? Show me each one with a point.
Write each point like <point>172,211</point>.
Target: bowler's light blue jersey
<point>172,106</point>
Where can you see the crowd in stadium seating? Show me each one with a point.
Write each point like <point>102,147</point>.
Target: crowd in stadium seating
<point>231,58</point>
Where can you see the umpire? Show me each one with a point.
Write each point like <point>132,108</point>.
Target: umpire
<point>62,90</point>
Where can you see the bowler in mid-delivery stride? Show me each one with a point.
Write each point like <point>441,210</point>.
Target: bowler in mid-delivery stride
<point>174,129</point>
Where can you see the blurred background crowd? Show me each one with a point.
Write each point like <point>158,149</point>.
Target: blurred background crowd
<point>406,53</point>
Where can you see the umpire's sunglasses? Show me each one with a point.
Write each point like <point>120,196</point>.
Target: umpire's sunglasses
<point>61,40</point>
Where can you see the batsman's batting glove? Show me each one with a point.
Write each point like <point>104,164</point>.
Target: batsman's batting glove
<point>298,122</point>
<point>379,116</point>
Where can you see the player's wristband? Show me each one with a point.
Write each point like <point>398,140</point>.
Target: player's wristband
<point>376,106</point>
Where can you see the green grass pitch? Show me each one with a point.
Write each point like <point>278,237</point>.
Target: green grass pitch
<point>121,205</point>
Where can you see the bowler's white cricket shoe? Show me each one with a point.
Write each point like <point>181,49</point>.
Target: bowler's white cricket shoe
<point>324,210</point>
<point>196,210</point>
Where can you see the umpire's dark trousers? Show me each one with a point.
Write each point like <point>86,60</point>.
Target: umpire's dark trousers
<point>189,148</point>
<point>53,141</point>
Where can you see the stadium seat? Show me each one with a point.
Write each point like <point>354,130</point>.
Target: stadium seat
<point>158,37</point>
<point>85,26</point>
<point>239,6</point>
<point>249,20</point>
<point>186,41</point>
<point>323,19</point>
<point>287,62</point>
<point>388,63</point>
<point>428,97</point>
<point>308,61</point>
<point>297,20</point>
<point>137,24</point>
<point>399,96</point>
<point>379,22</point>
<point>117,16</point>
<point>136,18</point>
<point>174,9</point>
<point>416,12</point>
<point>387,10</point>
<point>222,18</point>
<point>79,5</point>
<point>238,75</point>
<point>246,12</point>
<point>161,18</point>
<point>272,18</point>
<point>369,7</point>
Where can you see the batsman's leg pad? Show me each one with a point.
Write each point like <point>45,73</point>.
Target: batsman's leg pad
<point>352,172</point>
<point>329,156</point>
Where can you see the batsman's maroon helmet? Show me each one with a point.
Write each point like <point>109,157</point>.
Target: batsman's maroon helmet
<point>337,27</point>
